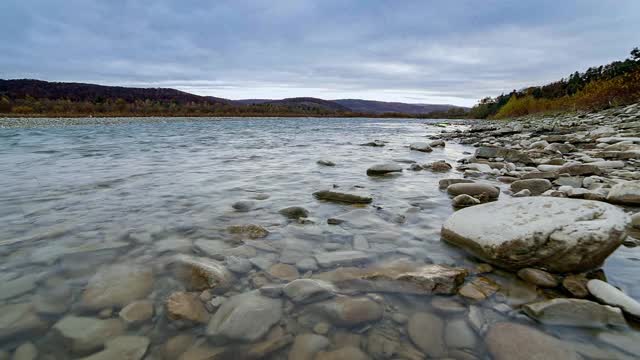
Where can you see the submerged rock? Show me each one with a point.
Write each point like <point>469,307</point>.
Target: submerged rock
<point>117,286</point>
<point>137,312</point>
<point>84,334</point>
<point>610,295</point>
<point>474,189</point>
<point>122,348</point>
<point>335,196</point>
<point>250,230</point>
<point>560,235</point>
<point>325,163</point>
<point>383,169</point>
<point>426,331</point>
<point>186,306</point>
<point>575,312</point>
<point>342,258</point>
<point>19,319</point>
<point>350,311</point>
<point>348,352</point>
<point>294,212</point>
<point>538,277</point>
<point>511,341</point>
<point>202,273</point>
<point>421,146</point>
<point>305,291</point>
<point>306,346</point>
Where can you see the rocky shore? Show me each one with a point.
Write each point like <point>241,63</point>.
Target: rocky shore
<point>541,204</point>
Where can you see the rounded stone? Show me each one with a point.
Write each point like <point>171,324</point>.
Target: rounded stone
<point>556,234</point>
<point>473,189</point>
<point>538,277</point>
<point>536,186</point>
<point>383,169</point>
<point>426,330</point>
<point>294,212</point>
<point>510,341</point>
<point>610,295</point>
<point>464,200</point>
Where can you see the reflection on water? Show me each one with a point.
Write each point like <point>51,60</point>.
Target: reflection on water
<point>127,198</point>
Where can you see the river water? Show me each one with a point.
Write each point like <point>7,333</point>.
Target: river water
<point>78,198</point>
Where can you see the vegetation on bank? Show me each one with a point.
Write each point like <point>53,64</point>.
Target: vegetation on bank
<point>598,88</point>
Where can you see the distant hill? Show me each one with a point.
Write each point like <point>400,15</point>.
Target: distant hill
<point>299,103</point>
<point>380,107</point>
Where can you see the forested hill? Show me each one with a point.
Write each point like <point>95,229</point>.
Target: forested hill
<point>597,88</point>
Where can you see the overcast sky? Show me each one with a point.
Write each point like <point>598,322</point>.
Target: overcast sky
<point>411,51</point>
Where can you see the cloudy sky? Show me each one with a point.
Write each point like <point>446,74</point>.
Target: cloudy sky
<point>418,51</point>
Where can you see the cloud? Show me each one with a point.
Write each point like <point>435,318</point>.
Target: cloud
<point>414,51</point>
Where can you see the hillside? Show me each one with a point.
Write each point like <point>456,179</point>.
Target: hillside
<point>380,107</point>
<point>301,103</point>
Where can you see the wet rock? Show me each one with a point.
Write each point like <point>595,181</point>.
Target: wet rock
<point>426,331</point>
<point>549,175</point>
<point>294,212</point>
<point>238,265</point>
<point>307,264</point>
<point>18,286</point>
<point>340,197</point>
<point>538,277</point>
<point>576,285</point>
<point>511,155</point>
<point>305,291</point>
<point>243,206</point>
<point>437,143</point>
<point>464,200</point>
<point>177,345</point>
<point>522,193</point>
<point>53,301</point>
<point>350,311</point>
<point>627,341</point>
<point>447,305</point>
<point>444,183</point>
<point>383,169</point>
<point>272,291</point>
<point>245,317</point>
<point>627,193</point>
<point>85,335</point>
<point>326,162</point>
<point>458,334</point>
<point>137,312</point>
<point>117,286</point>
<point>26,351</point>
<point>561,235</point>
<point>283,272</point>
<point>250,230</point>
<point>350,352</point>
<point>322,328</point>
<point>575,169</point>
<point>186,306</point>
<point>374,143</point>
<point>474,189</point>
<point>479,288</point>
<point>440,166</point>
<point>421,146</point>
<point>201,273</point>
<point>610,295</point>
<point>306,346</point>
<point>342,258</point>
<point>635,220</point>
<point>511,341</point>
<point>575,312</point>
<point>122,348</point>
<point>535,186</point>
<point>255,351</point>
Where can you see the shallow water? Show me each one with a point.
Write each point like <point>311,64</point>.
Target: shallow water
<point>79,197</point>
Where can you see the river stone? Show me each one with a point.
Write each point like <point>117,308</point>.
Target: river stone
<point>575,312</point>
<point>85,335</point>
<point>294,212</point>
<point>426,330</point>
<point>511,341</point>
<point>575,169</point>
<point>325,163</point>
<point>306,346</point>
<point>284,272</point>
<point>538,277</point>
<point>464,200</point>
<point>473,189</point>
<point>238,265</point>
<point>201,273</point>
<point>625,193</point>
<point>348,352</point>
<point>383,169</point>
<point>342,258</point>
<point>117,286</point>
<point>350,311</point>
<point>19,286</point>
<point>245,317</point>
<point>243,206</point>
<point>421,146</point>
<point>122,348</point>
<point>335,196</point>
<point>186,306</point>
<point>576,285</point>
<point>510,155</point>
<point>251,231</point>
<point>557,234</point>
<point>610,295</point>
<point>26,351</point>
<point>305,291</point>
<point>458,334</point>
<point>444,183</point>
<point>19,319</point>
<point>137,312</point>
<point>536,186</point>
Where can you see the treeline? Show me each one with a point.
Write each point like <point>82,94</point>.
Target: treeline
<point>617,83</point>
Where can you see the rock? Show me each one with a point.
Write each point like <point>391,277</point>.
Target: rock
<point>251,231</point>
<point>440,166</point>
<point>294,212</point>
<point>238,265</point>
<point>474,189</point>
<point>374,143</point>
<point>421,146</point>
<point>340,197</point>
<point>404,278</point>
<point>307,264</point>
<point>326,162</point>
<point>437,143</point>
<point>245,317</point>
<point>243,206</point>
<point>18,286</point>
<point>538,277</point>
<point>349,352</point>
<point>511,341</point>
<point>284,272</point>
<point>536,186</point>
<point>177,345</point>
<point>560,235</point>
<point>575,312</point>
<point>186,306</point>
<point>85,335</point>
<point>117,286</point>
<point>627,193</point>
<point>635,220</point>
<point>322,328</point>
<point>522,193</point>
<point>447,305</point>
<point>610,295</point>
<point>342,258</point>
<point>628,341</point>
<point>458,334</point>
<point>426,331</point>
<point>201,273</point>
<point>137,312</point>
<point>479,288</point>
<point>444,183</point>
<point>511,155</point>
<point>464,200</point>
<point>26,351</point>
<point>383,169</point>
<point>576,285</point>
<point>306,346</point>
<point>305,291</point>
<point>575,169</point>
<point>549,175</point>
<point>122,348</point>
<point>350,311</point>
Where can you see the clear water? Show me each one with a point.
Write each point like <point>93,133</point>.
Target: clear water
<point>75,198</point>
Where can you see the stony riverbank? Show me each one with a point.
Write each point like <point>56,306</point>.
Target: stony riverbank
<point>542,203</point>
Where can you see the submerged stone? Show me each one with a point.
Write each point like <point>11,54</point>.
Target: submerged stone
<point>575,312</point>
<point>117,286</point>
<point>335,196</point>
<point>383,169</point>
<point>511,341</point>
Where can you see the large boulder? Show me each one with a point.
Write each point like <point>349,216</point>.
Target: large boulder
<point>555,234</point>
